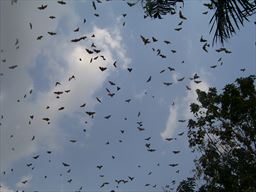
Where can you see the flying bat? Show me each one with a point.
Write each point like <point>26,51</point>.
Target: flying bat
<point>203,40</point>
<point>107,117</point>
<point>90,113</point>
<point>167,42</point>
<point>167,83</point>
<point>61,2</point>
<point>178,28</point>
<point>111,83</point>
<point>103,68</point>
<point>145,40</point>
<point>36,157</point>
<point>39,37</point>
<point>58,92</point>
<point>52,33</point>
<point>72,77</point>
<point>180,134</point>
<point>129,69</point>
<point>148,138</point>
<point>140,128</point>
<point>13,66</point>
<point>169,138</point>
<point>103,184</point>
<point>171,69</point>
<point>83,105</point>
<point>94,6</point>
<point>99,166</point>
<point>65,164</point>
<point>197,82</point>
<point>181,79</point>
<point>96,50</point>
<point>42,7</point>
<point>89,51</point>
<point>24,182</point>
<point>130,4</point>
<point>98,99</point>
<point>69,181</point>
<point>131,178</point>
<point>76,30</point>
<point>46,119</point>
<point>154,39</point>
<point>114,64</point>
<point>149,79</point>
<point>78,39</point>
<point>128,100</point>
<point>151,150</point>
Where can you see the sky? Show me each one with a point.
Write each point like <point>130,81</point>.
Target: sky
<point>137,102</point>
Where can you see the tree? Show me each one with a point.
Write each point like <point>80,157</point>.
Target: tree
<point>229,15</point>
<point>223,131</point>
<point>158,8</point>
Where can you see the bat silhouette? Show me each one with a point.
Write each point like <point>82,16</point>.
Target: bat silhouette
<point>76,30</point>
<point>52,33</point>
<point>13,66</point>
<point>103,68</point>
<point>39,37</point>
<point>65,164</point>
<point>145,40</point>
<point>42,7</point>
<point>61,2</point>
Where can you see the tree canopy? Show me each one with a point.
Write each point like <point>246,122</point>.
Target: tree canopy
<point>223,132</point>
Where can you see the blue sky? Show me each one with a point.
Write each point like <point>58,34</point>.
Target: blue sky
<point>42,63</point>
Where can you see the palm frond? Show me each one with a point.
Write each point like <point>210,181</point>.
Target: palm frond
<point>229,16</point>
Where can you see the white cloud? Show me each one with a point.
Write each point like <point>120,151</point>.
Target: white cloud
<point>174,76</point>
<point>113,39</point>
<point>88,79</point>
<point>171,124</point>
<point>191,96</point>
<point>5,188</point>
<point>181,109</point>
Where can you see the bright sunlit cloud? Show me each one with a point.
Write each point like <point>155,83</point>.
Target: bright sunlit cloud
<point>61,62</point>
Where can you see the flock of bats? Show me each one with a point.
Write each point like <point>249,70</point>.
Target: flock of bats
<point>95,54</point>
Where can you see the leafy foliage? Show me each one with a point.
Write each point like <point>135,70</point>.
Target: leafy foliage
<point>158,8</point>
<point>224,132</point>
<point>187,185</point>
